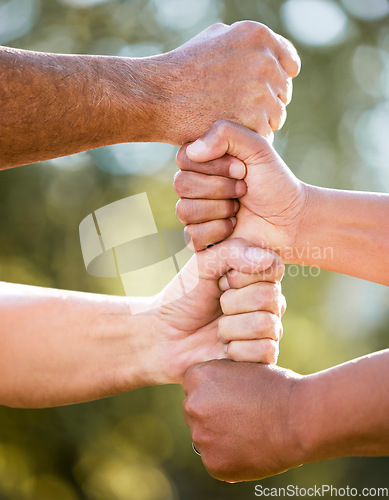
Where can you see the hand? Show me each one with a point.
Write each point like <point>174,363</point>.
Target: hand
<point>240,72</point>
<point>188,329</point>
<point>239,415</point>
<point>272,209</point>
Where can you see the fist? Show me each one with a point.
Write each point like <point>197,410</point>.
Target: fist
<point>240,72</point>
<point>241,417</point>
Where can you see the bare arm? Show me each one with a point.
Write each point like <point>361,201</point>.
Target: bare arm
<point>59,347</point>
<point>346,232</point>
<point>53,105</point>
<point>344,410</point>
<point>284,420</point>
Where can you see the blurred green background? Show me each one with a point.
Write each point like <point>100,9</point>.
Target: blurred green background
<point>136,446</point>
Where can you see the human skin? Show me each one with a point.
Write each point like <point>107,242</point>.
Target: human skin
<point>342,231</point>
<point>60,347</point>
<point>250,420</point>
<point>55,105</point>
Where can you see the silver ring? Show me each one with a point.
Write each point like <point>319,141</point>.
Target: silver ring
<point>195,450</point>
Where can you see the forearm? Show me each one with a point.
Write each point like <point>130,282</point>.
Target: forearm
<point>60,347</point>
<point>54,105</point>
<point>346,232</point>
<point>344,411</point>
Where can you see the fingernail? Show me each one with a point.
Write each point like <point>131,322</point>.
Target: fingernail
<point>233,220</point>
<point>259,256</point>
<point>237,170</point>
<point>196,148</point>
<point>236,206</point>
<point>223,283</point>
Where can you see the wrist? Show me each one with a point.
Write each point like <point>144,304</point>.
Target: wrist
<point>305,246</point>
<point>139,360</point>
<point>295,422</point>
<point>312,433</point>
<point>139,93</point>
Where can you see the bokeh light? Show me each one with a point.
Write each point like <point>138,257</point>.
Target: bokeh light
<point>371,140</point>
<point>367,10</point>
<point>17,17</point>
<point>315,22</point>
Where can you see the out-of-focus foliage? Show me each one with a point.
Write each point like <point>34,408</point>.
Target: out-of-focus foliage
<point>136,446</point>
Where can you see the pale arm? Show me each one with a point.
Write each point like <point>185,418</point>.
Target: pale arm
<point>59,347</point>
<point>346,232</point>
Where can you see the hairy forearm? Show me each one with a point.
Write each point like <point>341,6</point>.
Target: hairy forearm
<point>346,232</point>
<point>344,411</point>
<point>54,105</point>
<point>59,347</point>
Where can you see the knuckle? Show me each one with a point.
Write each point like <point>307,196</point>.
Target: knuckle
<point>195,375</point>
<point>219,25</point>
<point>266,295</point>
<point>277,328</point>
<point>221,127</point>
<point>181,211</point>
<point>278,114</point>
<point>233,351</point>
<point>279,267</point>
<point>284,304</point>
<point>266,322</point>
<point>270,352</point>
<point>281,332</point>
<point>180,157</point>
<point>196,431</point>
<point>213,464</point>
<point>269,65</point>
<point>251,27</point>
<point>187,406</point>
<point>223,328</point>
<point>178,183</point>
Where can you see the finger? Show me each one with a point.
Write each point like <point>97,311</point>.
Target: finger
<point>196,211</point>
<point>231,138</point>
<point>232,254</point>
<point>286,91</point>
<point>254,351</point>
<point>249,326</point>
<point>185,412</point>
<point>236,279</point>
<point>262,296</point>
<point>227,166</point>
<point>200,236</point>
<point>195,185</point>
<point>277,114</point>
<point>288,56</point>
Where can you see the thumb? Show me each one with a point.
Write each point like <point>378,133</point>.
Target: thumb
<point>237,254</point>
<point>227,137</point>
